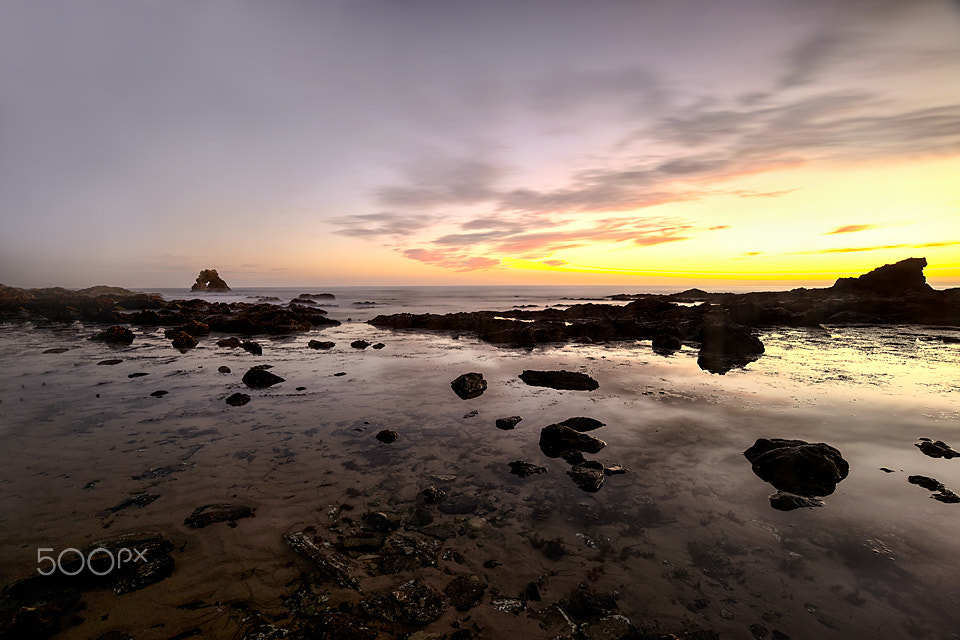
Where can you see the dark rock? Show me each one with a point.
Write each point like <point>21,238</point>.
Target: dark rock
<point>110,362</point>
<point>938,449</point>
<point>471,414</point>
<point>798,467</point>
<point>582,424</point>
<point>184,341</point>
<point>469,385</point>
<point>257,378</point>
<point>584,605</point>
<point>139,501</point>
<point>587,475</point>
<point>212,513</point>
<point>782,501</point>
<point>159,394</point>
<point>508,423</point>
<point>317,296</point>
<point>359,344</point>
<point>556,439</point>
<point>58,350</point>
<point>896,279</point>
<point>331,564</point>
<point>433,495</point>
<point>564,380</point>
<point>238,400</point>
<point>615,470</point>
<point>930,484</point>
<point>138,374</point>
<point>379,345</point>
<point>615,627</point>
<point>947,496</point>
<point>381,521</point>
<point>115,335</point>
<point>193,327</point>
<point>339,373</point>
<point>209,280</point>
<point>525,469</point>
<point>387,436</point>
<point>465,592</point>
<point>414,603</point>
<point>231,343</point>
<point>223,369</point>
<point>725,345</point>
<point>317,344</point>
<point>666,343</point>
<point>251,347</point>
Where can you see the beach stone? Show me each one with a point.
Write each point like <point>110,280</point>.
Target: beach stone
<point>110,362</point>
<point>160,393</point>
<point>223,369</point>
<point>465,592</point>
<point>238,400</point>
<point>231,343</point>
<point>471,414</point>
<point>113,335</point>
<point>258,378</point>
<point>930,484</point>
<point>782,501</point>
<point>359,344</point>
<point>469,385</point>
<point>938,449</point>
<point>562,380</point>
<point>433,495</point>
<point>414,602</point>
<point>183,341</point>
<point>798,467</point>
<point>138,374</point>
<point>615,470</point>
<point>251,347</point>
<point>587,475</point>
<point>212,513</point>
<point>387,436</point>
<point>379,345</point>
<point>525,469</point>
<point>582,424</point>
<point>58,350</point>
<point>317,344</point>
<point>508,423</point>
<point>557,439</point>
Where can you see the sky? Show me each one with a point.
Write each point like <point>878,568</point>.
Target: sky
<point>422,142</point>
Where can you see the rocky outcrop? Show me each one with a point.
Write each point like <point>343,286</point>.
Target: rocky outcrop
<point>897,279</point>
<point>209,280</point>
<point>798,467</point>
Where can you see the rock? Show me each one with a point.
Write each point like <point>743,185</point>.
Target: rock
<point>414,603</point>
<point>317,344</point>
<point>212,513</point>
<point>209,280</point>
<point>325,558</point>
<point>582,424</point>
<point>666,344</point>
<point>381,521</point>
<point>110,362</point>
<point>556,439</point>
<point>564,380</point>
<point>947,496</point>
<point>469,385</point>
<point>184,341</point>
<point>615,627</point>
<point>257,378</point>
<point>231,343</point>
<point>379,345</point>
<point>114,335</point>
<point>890,280</point>
<point>930,484</point>
<point>387,436</point>
<point>798,467</point>
<point>584,605</point>
<point>782,501</point>
<point>193,327</point>
<point>473,413</point>
<point>317,296</point>
<point>159,394</point>
<point>465,592</point>
<point>433,495</point>
<point>359,344</point>
<point>587,475</point>
<point>525,469</point>
<point>938,449</point>
<point>58,349</point>
<point>223,369</point>
<point>508,423</point>
<point>251,347</point>
<point>238,400</point>
<point>615,470</point>
<point>725,345</point>
<point>138,374</point>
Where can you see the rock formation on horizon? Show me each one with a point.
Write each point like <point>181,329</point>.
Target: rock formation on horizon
<point>209,280</point>
<point>899,278</point>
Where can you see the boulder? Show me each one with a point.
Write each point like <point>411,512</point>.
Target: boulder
<point>469,385</point>
<point>251,347</point>
<point>359,344</point>
<point>725,345</point>
<point>556,439</point>
<point>582,424</point>
<point>317,344</point>
<point>115,335</point>
<point>508,423</point>
<point>798,467</point>
<point>938,449</point>
<point>665,344</point>
<point>387,436</point>
<point>564,380</point>
<point>212,513</point>
<point>525,469</point>
<point>413,603</point>
<point>183,341</point>
<point>209,280</point>
<point>258,378</point>
<point>238,400</point>
<point>230,343</point>
<point>587,475</point>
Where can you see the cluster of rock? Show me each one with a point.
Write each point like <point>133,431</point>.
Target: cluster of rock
<point>720,326</point>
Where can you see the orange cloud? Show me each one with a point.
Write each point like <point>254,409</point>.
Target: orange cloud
<point>850,228</point>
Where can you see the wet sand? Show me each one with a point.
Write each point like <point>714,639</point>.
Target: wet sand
<point>686,537</point>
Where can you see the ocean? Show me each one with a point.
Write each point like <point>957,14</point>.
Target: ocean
<point>685,538</point>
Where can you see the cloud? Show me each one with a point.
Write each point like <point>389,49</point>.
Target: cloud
<point>390,224</point>
<point>555,263</point>
<point>851,228</point>
<point>451,259</point>
<point>442,180</point>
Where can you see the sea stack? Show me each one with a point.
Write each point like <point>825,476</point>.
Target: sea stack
<point>209,280</point>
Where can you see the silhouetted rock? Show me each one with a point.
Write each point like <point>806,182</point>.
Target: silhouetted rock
<point>387,436</point>
<point>379,346</point>
<point>938,449</point>
<point>891,280</point>
<point>525,469</point>
<point>213,513</point>
<point>413,602</point>
<point>317,296</point>
<point>238,400</point>
<point>183,341</point>
<point>798,467</point>
<point>782,501</point>
<point>258,378</point>
<point>582,424</point>
<point>930,484</point>
<point>564,380</point>
<point>192,327</point>
<point>230,343</point>
<point>469,385</point>
<point>115,335</point>
<point>556,439</point>
<point>317,344</point>
<point>725,345</point>
<point>359,344</point>
<point>209,280</point>
<point>587,475</point>
<point>508,423</point>
<point>251,347</point>
<point>666,343</point>
<point>223,369</point>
